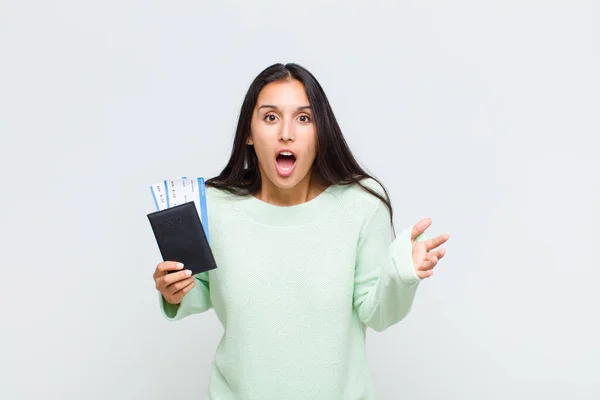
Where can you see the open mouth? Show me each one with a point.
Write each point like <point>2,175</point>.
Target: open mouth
<point>285,162</point>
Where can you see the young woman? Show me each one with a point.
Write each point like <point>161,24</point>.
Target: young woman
<point>306,252</point>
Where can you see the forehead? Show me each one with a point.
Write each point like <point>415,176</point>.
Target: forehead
<point>283,93</point>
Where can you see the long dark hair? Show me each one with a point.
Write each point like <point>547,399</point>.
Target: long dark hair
<point>334,162</point>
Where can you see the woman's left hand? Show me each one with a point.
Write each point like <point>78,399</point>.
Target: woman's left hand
<point>424,255</point>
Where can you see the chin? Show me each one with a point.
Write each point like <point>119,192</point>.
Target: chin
<point>287,182</point>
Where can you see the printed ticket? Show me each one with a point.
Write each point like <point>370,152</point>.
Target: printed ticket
<point>173,192</point>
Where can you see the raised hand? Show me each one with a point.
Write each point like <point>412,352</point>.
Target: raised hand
<point>424,255</point>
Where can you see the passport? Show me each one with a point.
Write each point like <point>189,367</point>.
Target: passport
<point>173,192</point>
<point>180,237</point>
<point>180,223</point>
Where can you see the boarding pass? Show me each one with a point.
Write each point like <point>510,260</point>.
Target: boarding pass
<point>173,192</point>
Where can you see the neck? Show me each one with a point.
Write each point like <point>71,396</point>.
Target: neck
<point>306,190</point>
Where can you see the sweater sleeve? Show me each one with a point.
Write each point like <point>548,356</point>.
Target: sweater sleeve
<point>195,301</point>
<point>385,280</point>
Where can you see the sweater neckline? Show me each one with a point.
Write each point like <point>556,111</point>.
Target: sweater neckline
<point>294,215</point>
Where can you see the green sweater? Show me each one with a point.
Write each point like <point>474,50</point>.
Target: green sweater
<point>295,289</point>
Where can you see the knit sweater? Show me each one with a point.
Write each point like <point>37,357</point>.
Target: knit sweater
<point>295,289</point>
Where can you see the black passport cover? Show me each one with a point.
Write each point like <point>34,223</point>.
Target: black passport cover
<point>180,237</point>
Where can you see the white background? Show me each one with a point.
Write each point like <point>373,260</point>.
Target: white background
<point>481,115</point>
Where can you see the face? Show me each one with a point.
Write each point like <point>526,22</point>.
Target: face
<point>283,134</point>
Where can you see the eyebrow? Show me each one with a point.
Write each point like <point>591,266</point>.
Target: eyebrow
<point>275,107</point>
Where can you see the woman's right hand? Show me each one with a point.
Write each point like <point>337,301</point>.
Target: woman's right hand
<point>173,285</point>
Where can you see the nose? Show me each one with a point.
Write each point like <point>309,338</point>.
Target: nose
<point>286,133</point>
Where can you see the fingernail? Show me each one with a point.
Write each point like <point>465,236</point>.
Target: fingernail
<point>188,272</point>
<point>179,265</point>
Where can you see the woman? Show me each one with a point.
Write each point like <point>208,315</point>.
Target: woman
<point>306,255</point>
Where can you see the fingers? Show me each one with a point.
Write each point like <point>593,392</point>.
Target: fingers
<point>431,257</point>
<point>428,264</point>
<point>177,296</point>
<point>431,260</point>
<point>164,275</point>
<point>172,281</point>
<point>174,278</point>
<point>420,227</point>
<point>424,274</point>
<point>167,266</point>
<point>425,270</point>
<point>179,286</point>
<point>436,241</point>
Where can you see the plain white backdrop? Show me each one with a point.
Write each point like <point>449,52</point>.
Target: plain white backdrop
<point>481,115</point>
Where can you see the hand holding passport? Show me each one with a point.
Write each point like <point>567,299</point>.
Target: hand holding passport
<point>180,232</point>
<point>172,281</point>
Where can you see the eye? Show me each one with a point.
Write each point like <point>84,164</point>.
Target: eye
<point>270,117</point>
<point>304,118</point>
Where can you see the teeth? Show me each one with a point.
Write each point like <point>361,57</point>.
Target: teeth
<point>286,153</point>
